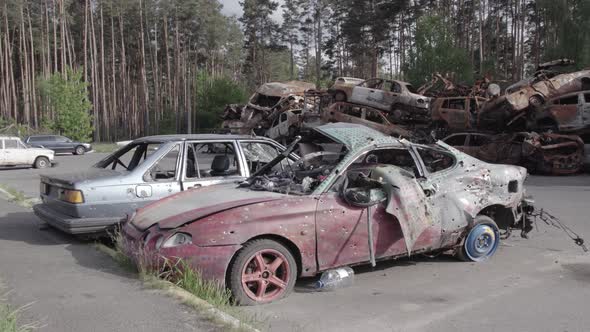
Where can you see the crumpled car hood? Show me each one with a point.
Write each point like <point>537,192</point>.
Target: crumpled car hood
<point>194,204</point>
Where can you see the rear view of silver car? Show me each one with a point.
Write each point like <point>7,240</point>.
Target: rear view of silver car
<point>144,171</point>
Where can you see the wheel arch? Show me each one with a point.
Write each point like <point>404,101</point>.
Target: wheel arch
<point>292,247</point>
<point>502,215</point>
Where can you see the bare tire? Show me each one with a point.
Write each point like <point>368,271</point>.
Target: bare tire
<point>41,162</point>
<point>80,150</point>
<point>263,271</point>
<point>340,96</point>
<point>536,101</point>
<point>481,241</point>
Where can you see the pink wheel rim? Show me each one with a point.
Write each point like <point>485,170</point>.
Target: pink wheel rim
<point>266,275</point>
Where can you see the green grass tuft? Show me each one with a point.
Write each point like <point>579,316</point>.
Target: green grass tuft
<point>104,147</point>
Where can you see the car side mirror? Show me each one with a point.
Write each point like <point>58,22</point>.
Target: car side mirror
<point>369,194</point>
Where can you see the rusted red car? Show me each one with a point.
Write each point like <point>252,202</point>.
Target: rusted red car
<point>361,196</point>
<point>540,153</point>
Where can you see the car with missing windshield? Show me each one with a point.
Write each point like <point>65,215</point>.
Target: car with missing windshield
<point>357,196</point>
<point>59,144</point>
<point>144,171</point>
<point>13,152</point>
<point>398,98</point>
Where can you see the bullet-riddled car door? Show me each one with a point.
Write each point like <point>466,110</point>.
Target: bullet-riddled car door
<point>400,224</point>
<point>369,93</point>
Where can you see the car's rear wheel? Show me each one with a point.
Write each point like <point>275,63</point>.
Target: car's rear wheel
<point>481,242</point>
<point>80,150</point>
<point>536,101</point>
<point>263,271</point>
<point>41,162</point>
<point>340,96</point>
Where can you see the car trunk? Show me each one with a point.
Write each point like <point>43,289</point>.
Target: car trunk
<point>51,185</point>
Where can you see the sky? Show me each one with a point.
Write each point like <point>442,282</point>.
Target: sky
<point>232,7</point>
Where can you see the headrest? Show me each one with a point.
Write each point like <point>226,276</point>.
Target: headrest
<point>220,163</point>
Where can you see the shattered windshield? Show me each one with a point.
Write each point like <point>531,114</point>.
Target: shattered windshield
<point>129,157</point>
<point>320,157</point>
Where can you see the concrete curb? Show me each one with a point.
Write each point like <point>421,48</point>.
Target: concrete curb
<point>188,298</point>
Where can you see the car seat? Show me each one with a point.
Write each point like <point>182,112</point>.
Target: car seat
<point>220,166</point>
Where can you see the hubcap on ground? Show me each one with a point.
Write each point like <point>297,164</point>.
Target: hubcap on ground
<point>265,276</point>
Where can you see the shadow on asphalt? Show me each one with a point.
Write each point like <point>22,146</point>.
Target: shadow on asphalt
<point>306,285</point>
<point>25,227</point>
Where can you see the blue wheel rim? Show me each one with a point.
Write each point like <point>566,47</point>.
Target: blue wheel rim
<point>482,242</point>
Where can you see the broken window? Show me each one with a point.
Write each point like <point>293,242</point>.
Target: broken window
<point>259,154</point>
<point>212,160</point>
<point>456,140</point>
<point>458,104</point>
<point>353,111</point>
<point>373,116</point>
<point>435,160</point>
<point>396,88</point>
<point>165,168</point>
<point>387,86</point>
<point>571,100</point>
<point>129,157</point>
<point>478,140</point>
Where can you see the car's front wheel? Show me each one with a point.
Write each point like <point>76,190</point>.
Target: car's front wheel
<point>80,150</point>
<point>481,242</point>
<point>41,162</point>
<point>263,271</point>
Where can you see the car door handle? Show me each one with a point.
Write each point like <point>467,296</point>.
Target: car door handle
<point>371,91</point>
<point>196,186</point>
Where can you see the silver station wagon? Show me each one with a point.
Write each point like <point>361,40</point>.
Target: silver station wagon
<point>146,170</point>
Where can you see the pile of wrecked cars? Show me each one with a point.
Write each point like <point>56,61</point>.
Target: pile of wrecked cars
<point>353,196</point>
<point>549,102</point>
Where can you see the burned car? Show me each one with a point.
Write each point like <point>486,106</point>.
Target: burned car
<point>361,197</point>
<point>517,109</point>
<point>395,97</point>
<point>539,153</point>
<point>367,116</point>
<point>451,114</point>
<point>145,171</point>
<point>269,100</point>
<point>569,113</point>
<point>341,85</point>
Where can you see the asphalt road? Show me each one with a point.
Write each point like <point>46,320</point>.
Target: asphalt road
<point>539,284</point>
<point>69,284</point>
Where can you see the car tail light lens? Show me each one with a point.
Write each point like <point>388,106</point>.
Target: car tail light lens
<point>176,240</point>
<point>71,196</point>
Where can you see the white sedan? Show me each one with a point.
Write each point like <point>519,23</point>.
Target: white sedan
<point>13,152</point>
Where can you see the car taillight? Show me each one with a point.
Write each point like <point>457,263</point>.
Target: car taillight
<point>71,196</point>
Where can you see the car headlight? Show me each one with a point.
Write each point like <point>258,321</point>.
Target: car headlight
<point>71,196</point>
<point>175,240</point>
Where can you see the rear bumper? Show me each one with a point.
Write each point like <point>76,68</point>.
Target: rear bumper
<point>73,225</point>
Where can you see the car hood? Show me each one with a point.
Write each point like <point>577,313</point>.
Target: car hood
<point>41,150</point>
<point>191,205</point>
<point>71,179</point>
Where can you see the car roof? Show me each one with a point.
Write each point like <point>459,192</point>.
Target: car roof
<point>204,137</point>
<point>9,137</point>
<point>356,136</point>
